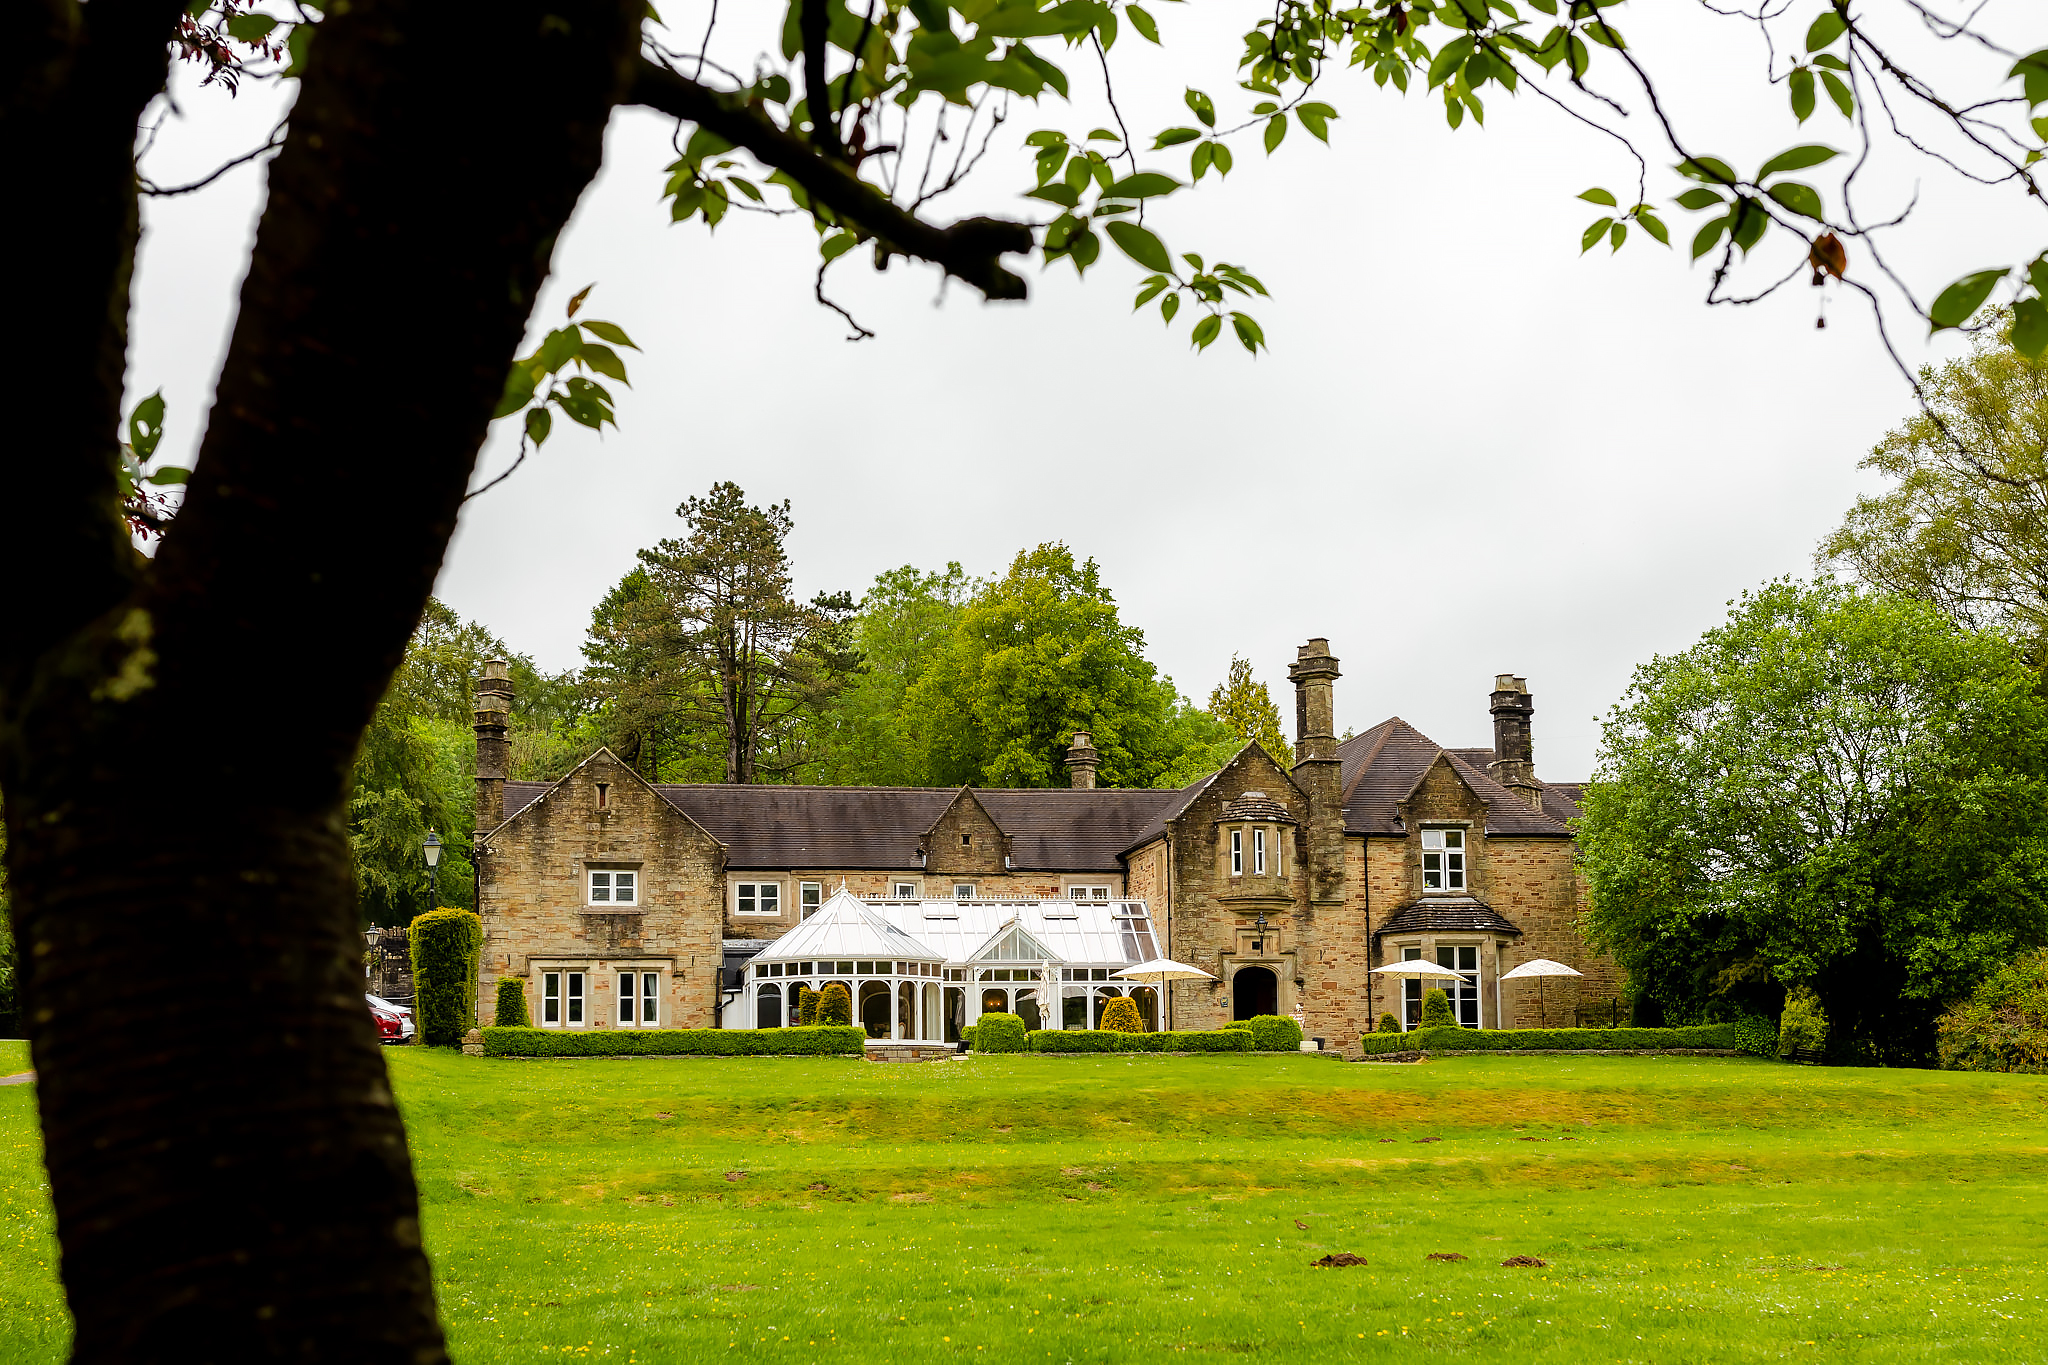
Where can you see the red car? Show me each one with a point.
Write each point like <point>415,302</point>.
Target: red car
<point>394,1025</point>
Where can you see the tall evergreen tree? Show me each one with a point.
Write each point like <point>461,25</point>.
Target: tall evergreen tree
<point>1244,704</point>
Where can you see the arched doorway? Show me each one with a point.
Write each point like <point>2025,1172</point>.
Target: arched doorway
<point>874,1008</point>
<point>1254,990</point>
<point>769,1014</point>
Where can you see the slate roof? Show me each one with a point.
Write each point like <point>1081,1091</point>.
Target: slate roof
<point>1382,766</point>
<point>1448,914</point>
<point>1257,805</point>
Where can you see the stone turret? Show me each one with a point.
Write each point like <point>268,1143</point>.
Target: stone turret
<point>1082,761</point>
<point>1514,747</point>
<point>1317,769</point>
<point>493,749</point>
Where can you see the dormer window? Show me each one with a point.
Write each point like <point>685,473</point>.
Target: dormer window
<point>1443,860</point>
<point>612,886</point>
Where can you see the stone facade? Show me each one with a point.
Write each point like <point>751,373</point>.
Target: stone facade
<point>1289,886</point>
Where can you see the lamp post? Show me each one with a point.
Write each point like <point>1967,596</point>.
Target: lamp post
<point>431,848</point>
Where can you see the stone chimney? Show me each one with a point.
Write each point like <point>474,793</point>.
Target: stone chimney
<point>1082,760</point>
<point>1317,769</point>
<point>493,749</point>
<point>1514,749</point>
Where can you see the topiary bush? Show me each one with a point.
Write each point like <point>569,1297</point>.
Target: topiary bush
<point>835,1007</point>
<point>1802,1025</point>
<point>512,1003</point>
<point>674,1042</point>
<point>806,1007</point>
<point>1121,1016</point>
<point>1756,1035</point>
<point>2003,1025</point>
<point>1000,1033</point>
<point>1274,1033</point>
<point>1389,1024</point>
<point>446,947</point>
<point>1436,1011</point>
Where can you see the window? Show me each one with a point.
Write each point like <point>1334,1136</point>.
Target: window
<point>611,886</point>
<point>1237,853</point>
<point>967,841</point>
<point>759,898</point>
<point>1443,860</point>
<point>1093,891</point>
<point>639,999</point>
<point>1411,993</point>
<point>1259,852</point>
<point>604,795</point>
<point>905,891</point>
<point>561,999</point>
<point>1462,958</point>
<point>810,895</point>
<point>629,995</point>
<point>963,891</point>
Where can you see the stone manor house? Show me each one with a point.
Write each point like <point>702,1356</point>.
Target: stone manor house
<point>625,904</point>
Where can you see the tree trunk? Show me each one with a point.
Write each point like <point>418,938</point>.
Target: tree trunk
<point>229,1171</point>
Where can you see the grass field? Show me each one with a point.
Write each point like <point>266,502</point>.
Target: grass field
<point>1135,1208</point>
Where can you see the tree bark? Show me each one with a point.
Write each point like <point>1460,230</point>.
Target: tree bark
<point>229,1171</point>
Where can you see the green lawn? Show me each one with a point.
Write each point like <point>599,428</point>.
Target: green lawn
<point>1134,1207</point>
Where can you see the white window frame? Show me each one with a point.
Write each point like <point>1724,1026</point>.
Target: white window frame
<point>1089,891</point>
<point>810,898</point>
<point>550,999</point>
<point>903,891</point>
<point>1237,853</point>
<point>615,880</point>
<point>963,891</point>
<point>1447,848</point>
<point>1468,983</point>
<point>1258,853</point>
<point>744,893</point>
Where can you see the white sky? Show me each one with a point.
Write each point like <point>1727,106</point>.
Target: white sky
<point>1471,450</point>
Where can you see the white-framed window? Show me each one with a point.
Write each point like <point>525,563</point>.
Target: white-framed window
<point>963,891</point>
<point>1259,852</point>
<point>1088,891</point>
<point>1462,958</point>
<point>561,999</point>
<point>1411,993</point>
<point>639,1000</point>
<point>1237,853</point>
<point>1443,860</point>
<point>614,886</point>
<point>809,896</point>
<point>757,898</point>
<point>904,891</point>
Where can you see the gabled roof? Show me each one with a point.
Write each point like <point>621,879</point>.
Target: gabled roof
<point>1383,766</point>
<point>1013,943</point>
<point>845,927</point>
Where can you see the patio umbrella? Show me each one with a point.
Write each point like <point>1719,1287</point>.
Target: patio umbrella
<point>1414,966</point>
<point>1161,972</point>
<point>1539,969</point>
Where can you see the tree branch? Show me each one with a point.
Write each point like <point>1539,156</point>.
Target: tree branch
<point>970,250</point>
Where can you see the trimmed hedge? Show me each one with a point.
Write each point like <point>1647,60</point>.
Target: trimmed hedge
<point>999,1033</point>
<point>1121,1016</point>
<point>1561,1039</point>
<point>674,1042</point>
<point>1108,1040</point>
<point>835,1006</point>
<point>512,1003</point>
<point>1274,1033</point>
<point>446,948</point>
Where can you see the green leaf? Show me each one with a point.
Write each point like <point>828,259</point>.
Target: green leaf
<point>1596,195</point>
<point>1710,169</point>
<point>170,476</point>
<point>1603,33</point>
<point>1316,119</point>
<point>1248,333</point>
<point>1801,81</point>
<point>1701,198</point>
<point>539,422</point>
<point>1173,137</point>
<point>1066,196</point>
<point>1141,245</point>
<point>1143,185</point>
<point>1204,108</point>
<point>2033,70</point>
<point>1831,62</point>
<point>1751,223</point>
<point>1828,27</point>
<point>1839,92</point>
<point>518,391</point>
<point>146,426</point>
<point>1709,236</point>
<point>1448,59</point>
<point>1084,247</point>
<point>1796,159</point>
<point>1617,235</point>
<point>611,332</point>
<point>1276,129</point>
<point>2030,327</point>
<point>1150,290</point>
<point>1206,331</point>
<point>1104,135</point>
<point>1147,27</point>
<point>1954,305</point>
<point>1199,160</point>
<point>250,28</point>
<point>1580,58</point>
<point>2037,274</point>
<point>297,46</point>
<point>1653,225</point>
<point>1594,234</point>
<point>1222,159</point>
<point>1168,306</point>
<point>603,359</point>
<point>1803,200</point>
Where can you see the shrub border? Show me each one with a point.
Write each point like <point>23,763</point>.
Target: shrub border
<point>1696,1038</point>
<point>825,1041</point>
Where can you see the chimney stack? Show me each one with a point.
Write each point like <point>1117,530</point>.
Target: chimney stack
<point>1514,749</point>
<point>1082,760</point>
<point>1317,769</point>
<point>493,749</point>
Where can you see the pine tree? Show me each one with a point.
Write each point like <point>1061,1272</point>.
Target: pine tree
<point>1246,706</point>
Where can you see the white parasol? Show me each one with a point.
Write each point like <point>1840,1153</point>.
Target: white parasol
<point>1540,968</point>
<point>1414,966</point>
<point>1160,971</point>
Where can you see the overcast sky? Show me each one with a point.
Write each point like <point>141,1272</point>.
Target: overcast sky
<point>1471,450</point>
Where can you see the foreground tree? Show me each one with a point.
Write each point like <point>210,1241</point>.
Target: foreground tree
<point>1837,790</point>
<point>249,1195</point>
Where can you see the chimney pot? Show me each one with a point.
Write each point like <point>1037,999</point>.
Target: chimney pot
<point>1082,761</point>
<point>1514,745</point>
<point>493,749</point>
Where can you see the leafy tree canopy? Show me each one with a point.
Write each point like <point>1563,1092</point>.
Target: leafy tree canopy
<point>1246,706</point>
<point>1837,789</point>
